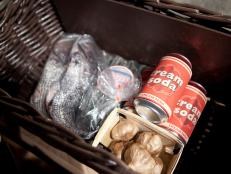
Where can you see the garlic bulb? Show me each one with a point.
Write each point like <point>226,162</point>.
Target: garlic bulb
<point>125,130</point>
<point>151,141</point>
<point>169,149</point>
<point>139,159</point>
<point>117,148</point>
<point>159,166</point>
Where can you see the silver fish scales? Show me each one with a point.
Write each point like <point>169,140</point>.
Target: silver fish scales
<point>53,71</point>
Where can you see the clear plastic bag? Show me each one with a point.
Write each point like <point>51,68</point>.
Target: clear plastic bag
<point>118,82</point>
<point>77,89</point>
<point>53,72</point>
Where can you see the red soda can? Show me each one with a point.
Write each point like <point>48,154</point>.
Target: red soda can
<point>145,74</point>
<point>166,84</point>
<point>187,111</point>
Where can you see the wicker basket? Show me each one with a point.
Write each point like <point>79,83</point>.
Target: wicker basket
<point>144,30</point>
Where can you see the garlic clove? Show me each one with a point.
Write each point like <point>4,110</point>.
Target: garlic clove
<point>151,141</point>
<point>125,130</point>
<point>159,166</point>
<point>139,159</point>
<point>117,148</point>
<point>169,150</point>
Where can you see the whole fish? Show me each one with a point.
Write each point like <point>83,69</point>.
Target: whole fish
<point>53,71</point>
<point>68,89</point>
<point>78,105</point>
<point>94,105</point>
<point>64,105</point>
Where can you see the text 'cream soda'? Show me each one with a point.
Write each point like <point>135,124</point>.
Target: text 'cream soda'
<point>187,111</point>
<point>166,84</point>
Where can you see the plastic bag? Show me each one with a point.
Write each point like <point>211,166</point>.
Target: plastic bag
<point>118,82</point>
<point>69,89</point>
<point>53,72</point>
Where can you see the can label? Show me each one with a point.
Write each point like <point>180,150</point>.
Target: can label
<point>186,113</point>
<point>166,83</point>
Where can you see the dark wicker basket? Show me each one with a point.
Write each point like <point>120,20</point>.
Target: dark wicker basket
<point>30,27</point>
<point>28,30</point>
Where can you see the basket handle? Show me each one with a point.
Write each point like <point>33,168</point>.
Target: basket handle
<point>21,114</point>
<point>186,12</point>
<point>3,4</point>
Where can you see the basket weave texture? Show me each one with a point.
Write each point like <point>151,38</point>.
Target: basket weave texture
<point>28,30</point>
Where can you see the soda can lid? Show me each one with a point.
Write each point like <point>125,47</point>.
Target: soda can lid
<point>198,86</point>
<point>181,57</point>
<point>149,111</point>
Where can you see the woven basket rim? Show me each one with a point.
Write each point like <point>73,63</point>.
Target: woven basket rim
<point>186,12</point>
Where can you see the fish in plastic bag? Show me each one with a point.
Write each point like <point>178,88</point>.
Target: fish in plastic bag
<point>53,71</point>
<point>73,95</point>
